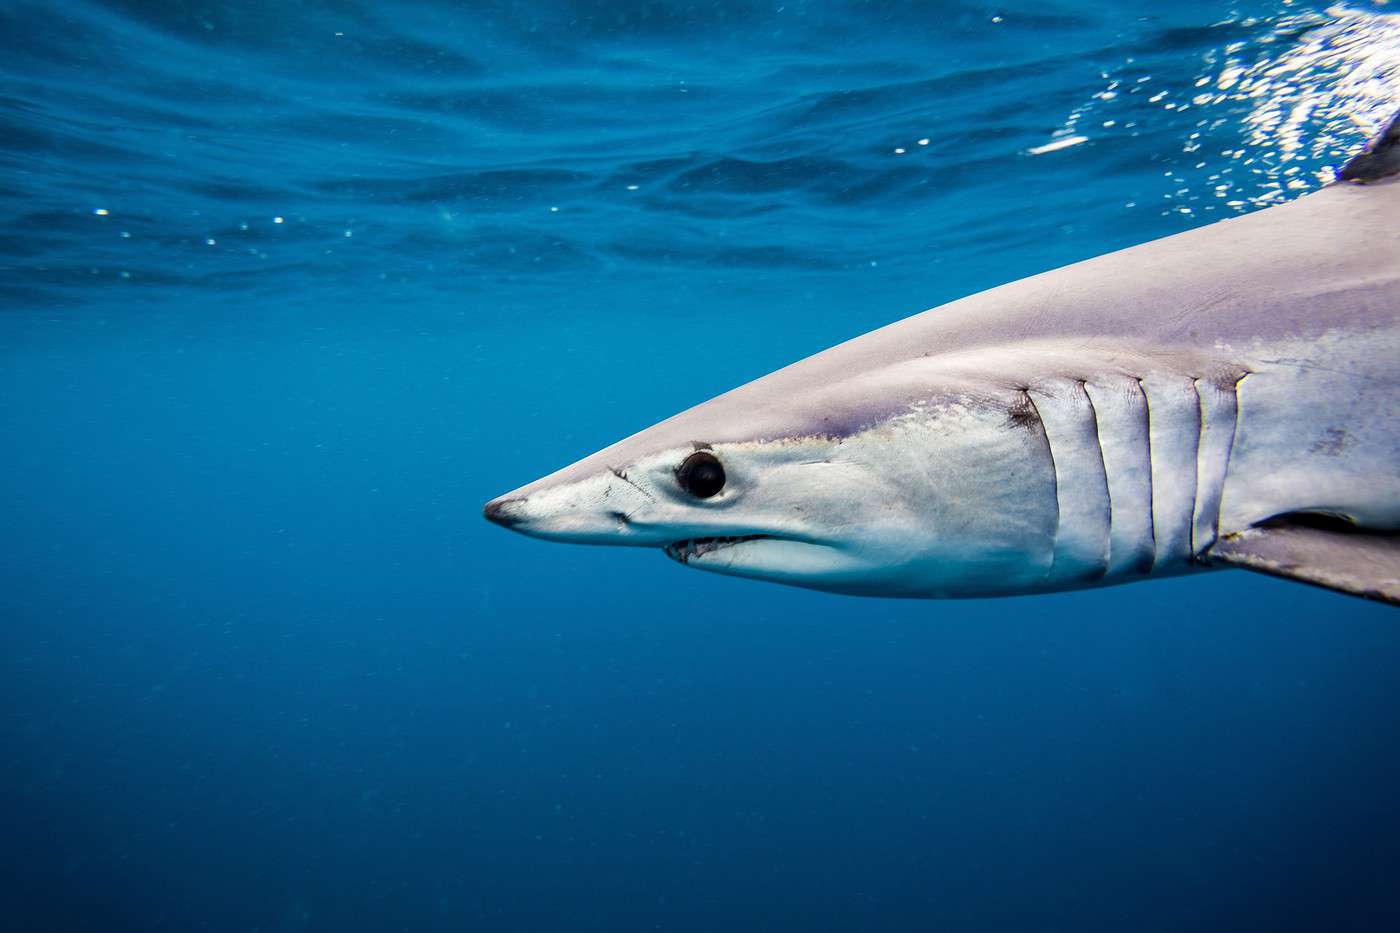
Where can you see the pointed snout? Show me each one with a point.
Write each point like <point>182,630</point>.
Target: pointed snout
<point>504,511</point>
<point>593,510</point>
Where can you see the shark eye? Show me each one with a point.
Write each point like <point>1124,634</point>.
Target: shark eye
<point>701,475</point>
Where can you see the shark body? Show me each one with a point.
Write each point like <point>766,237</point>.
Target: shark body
<point>1225,396</point>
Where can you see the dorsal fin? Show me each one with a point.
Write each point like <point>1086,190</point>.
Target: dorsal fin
<point>1324,553</point>
<point>1380,159</point>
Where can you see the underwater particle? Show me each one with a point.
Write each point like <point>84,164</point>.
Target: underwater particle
<point>633,187</point>
<point>100,211</point>
<point>899,151</point>
<point>277,220</point>
<point>349,233</point>
<point>554,210</point>
<point>923,142</point>
<point>211,242</point>
<point>126,234</point>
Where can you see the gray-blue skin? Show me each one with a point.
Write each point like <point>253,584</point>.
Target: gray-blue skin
<point>1225,396</point>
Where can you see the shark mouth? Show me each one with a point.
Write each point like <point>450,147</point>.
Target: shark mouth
<point>684,551</point>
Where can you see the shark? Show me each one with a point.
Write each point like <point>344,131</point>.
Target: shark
<point>1226,397</point>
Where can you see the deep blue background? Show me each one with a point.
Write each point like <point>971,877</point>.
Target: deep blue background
<point>264,668</point>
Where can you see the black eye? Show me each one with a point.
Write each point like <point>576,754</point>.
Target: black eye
<point>701,475</point>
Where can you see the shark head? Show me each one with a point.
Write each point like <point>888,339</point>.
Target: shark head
<point>876,484</point>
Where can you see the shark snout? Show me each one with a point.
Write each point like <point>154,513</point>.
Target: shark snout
<point>504,511</point>
<point>597,509</point>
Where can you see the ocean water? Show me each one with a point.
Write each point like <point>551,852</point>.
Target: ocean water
<point>287,290</point>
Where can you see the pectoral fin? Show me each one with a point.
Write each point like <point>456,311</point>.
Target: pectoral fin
<point>1348,561</point>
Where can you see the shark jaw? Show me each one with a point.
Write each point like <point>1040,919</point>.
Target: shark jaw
<point>775,558</point>
<point>696,548</point>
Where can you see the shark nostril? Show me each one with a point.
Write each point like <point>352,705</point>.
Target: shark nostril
<point>504,512</point>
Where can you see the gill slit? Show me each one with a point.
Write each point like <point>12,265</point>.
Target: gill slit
<point>1230,450</point>
<point>1103,465</point>
<point>1054,478</point>
<point>1151,492</point>
<point>1196,468</point>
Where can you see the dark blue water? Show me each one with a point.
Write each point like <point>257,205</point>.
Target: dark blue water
<point>288,289</point>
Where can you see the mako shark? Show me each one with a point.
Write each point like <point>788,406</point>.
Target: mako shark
<point>1228,396</point>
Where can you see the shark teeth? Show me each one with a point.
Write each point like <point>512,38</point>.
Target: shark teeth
<point>683,551</point>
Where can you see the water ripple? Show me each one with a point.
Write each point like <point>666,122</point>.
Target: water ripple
<point>238,146</point>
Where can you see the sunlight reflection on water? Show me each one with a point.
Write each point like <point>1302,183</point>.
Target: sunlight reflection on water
<point>1313,87</point>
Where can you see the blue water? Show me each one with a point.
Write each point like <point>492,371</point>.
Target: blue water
<point>287,290</point>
